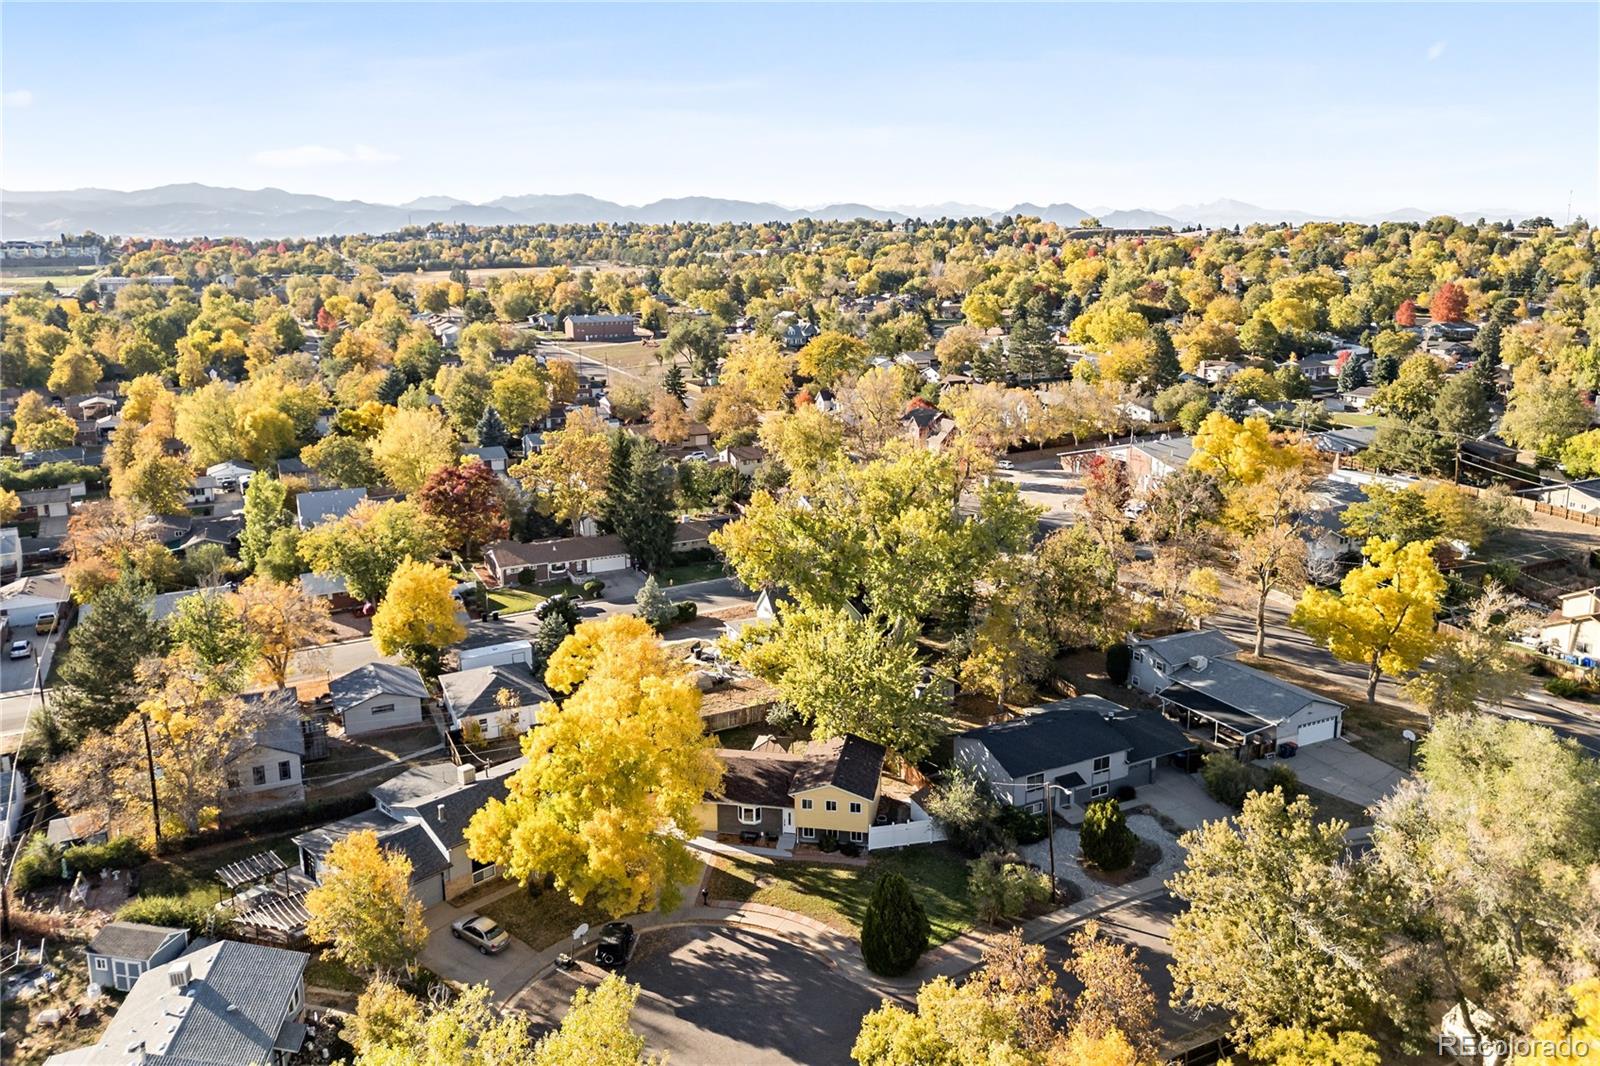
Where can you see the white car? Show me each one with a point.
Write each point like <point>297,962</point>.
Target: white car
<point>20,649</point>
<point>1006,464</point>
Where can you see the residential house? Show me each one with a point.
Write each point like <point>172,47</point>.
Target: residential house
<point>10,552</point>
<point>1357,399</point>
<point>25,599</point>
<point>46,503</point>
<point>500,700</point>
<point>68,829</point>
<point>1318,368</point>
<point>121,952</point>
<point>743,457</point>
<point>326,505</point>
<point>555,559</point>
<point>831,787</point>
<point>378,696</point>
<point>232,474</point>
<point>1346,440</point>
<point>767,605</point>
<point>1581,496</point>
<point>798,334</point>
<point>228,1004</point>
<point>1149,462</point>
<point>694,534</point>
<point>201,491</point>
<point>1572,632</point>
<point>293,466</point>
<point>1240,708</point>
<point>268,772</point>
<point>698,435</point>
<point>1140,409</point>
<point>494,456</point>
<point>1213,371</point>
<point>1322,526</point>
<point>1069,753</point>
<point>422,814</point>
<point>601,327</point>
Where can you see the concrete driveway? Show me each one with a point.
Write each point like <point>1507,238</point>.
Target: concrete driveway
<point>720,994</point>
<point>459,961</point>
<point>1338,769</point>
<point>1182,798</point>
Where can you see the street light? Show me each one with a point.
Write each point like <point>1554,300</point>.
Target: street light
<point>1411,740</point>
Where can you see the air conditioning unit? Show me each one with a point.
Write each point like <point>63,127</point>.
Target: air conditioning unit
<point>179,974</point>
<point>1198,663</point>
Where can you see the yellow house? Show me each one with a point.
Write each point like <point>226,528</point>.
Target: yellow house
<point>792,797</point>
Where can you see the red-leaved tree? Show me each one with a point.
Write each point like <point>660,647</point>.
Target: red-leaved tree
<point>465,501</point>
<point>1449,303</point>
<point>325,321</point>
<point>1406,313</point>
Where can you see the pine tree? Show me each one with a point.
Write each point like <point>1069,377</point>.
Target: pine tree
<point>1167,367</point>
<point>894,930</point>
<point>987,364</point>
<point>98,688</point>
<point>1353,374</point>
<point>1105,838</point>
<point>654,606</point>
<point>553,629</point>
<point>393,384</point>
<point>1489,344</point>
<point>673,382</point>
<point>491,429</point>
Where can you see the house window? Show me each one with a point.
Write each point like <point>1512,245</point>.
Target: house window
<point>857,837</point>
<point>258,774</point>
<point>99,963</point>
<point>1138,656</point>
<point>284,771</point>
<point>1035,783</point>
<point>750,815</point>
<point>1099,791</point>
<point>830,805</point>
<point>483,871</point>
<point>855,808</point>
<point>805,805</point>
<point>807,833</point>
<point>1036,807</point>
<point>383,708</point>
<point>1102,765</point>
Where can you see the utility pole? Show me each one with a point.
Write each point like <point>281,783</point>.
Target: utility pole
<point>150,764</point>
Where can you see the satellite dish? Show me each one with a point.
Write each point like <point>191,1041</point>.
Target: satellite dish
<point>581,932</point>
<point>1410,737</point>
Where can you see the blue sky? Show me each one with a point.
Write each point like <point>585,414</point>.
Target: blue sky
<point>1354,107</point>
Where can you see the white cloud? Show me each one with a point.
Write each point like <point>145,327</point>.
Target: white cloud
<point>318,155</point>
<point>19,98</point>
<point>1435,50</point>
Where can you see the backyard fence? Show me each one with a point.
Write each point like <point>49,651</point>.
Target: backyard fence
<point>904,834</point>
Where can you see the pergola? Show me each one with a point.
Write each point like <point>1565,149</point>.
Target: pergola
<point>262,867</point>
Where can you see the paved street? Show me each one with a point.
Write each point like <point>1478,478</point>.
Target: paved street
<point>722,995</point>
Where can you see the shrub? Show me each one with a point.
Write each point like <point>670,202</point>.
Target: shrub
<point>1566,688</point>
<point>849,848</point>
<point>194,911</point>
<point>828,840</point>
<point>593,587</point>
<point>1126,793</point>
<point>1106,840</point>
<point>36,864</point>
<point>1119,661</point>
<point>968,811</point>
<point>687,610</point>
<point>120,853</point>
<point>1281,776</point>
<point>894,929</point>
<point>527,578</point>
<point>1020,825</point>
<point>1227,779</point>
<point>1001,888</point>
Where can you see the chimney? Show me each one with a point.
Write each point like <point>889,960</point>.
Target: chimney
<point>466,774</point>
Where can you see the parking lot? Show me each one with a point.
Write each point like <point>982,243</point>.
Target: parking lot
<point>16,675</point>
<point>720,994</point>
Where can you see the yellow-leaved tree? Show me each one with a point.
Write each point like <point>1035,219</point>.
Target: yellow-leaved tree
<point>1240,453</point>
<point>413,443</point>
<point>613,779</point>
<point>1382,615</point>
<point>363,905</point>
<point>417,618</point>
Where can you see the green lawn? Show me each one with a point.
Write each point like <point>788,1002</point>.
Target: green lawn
<point>1355,418</point>
<point>325,971</point>
<point>177,875</point>
<point>542,920</point>
<point>837,895</point>
<point>688,573</point>
<point>513,600</point>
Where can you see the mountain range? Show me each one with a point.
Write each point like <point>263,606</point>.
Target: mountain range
<point>191,210</point>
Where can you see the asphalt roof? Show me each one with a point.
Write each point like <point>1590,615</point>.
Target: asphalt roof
<point>402,837</point>
<point>469,692</point>
<point>757,779</point>
<point>555,550</point>
<point>1174,451</point>
<point>848,763</point>
<point>1246,689</point>
<point>1180,647</point>
<point>1072,731</point>
<point>375,679</point>
<point>231,1012</point>
<point>314,507</point>
<point>132,940</point>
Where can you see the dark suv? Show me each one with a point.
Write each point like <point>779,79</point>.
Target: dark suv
<point>616,945</point>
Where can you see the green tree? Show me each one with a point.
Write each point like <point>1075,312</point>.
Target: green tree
<point>638,502</point>
<point>266,510</point>
<point>363,908</point>
<point>97,683</point>
<point>1277,931</point>
<point>831,356</point>
<point>1105,838</point>
<point>698,340</point>
<point>1001,888</point>
<point>211,628</point>
<point>894,928</point>
<point>366,545</point>
<point>653,605</point>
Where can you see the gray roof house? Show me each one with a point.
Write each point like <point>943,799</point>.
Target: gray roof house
<point>229,1004</point>
<point>476,695</point>
<point>312,508</point>
<point>1073,751</point>
<point>378,696</point>
<point>122,951</point>
<point>422,814</point>
<point>1155,659</point>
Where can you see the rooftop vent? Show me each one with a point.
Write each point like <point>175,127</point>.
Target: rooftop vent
<point>1198,663</point>
<point>438,812</point>
<point>179,974</point>
<point>466,774</point>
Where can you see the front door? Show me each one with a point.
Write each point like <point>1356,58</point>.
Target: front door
<point>788,819</point>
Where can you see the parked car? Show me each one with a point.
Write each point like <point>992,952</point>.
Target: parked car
<point>615,947</point>
<point>482,933</point>
<point>1005,464</point>
<point>697,455</point>
<point>45,623</point>
<point>20,649</point>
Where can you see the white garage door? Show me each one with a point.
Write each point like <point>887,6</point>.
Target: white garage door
<point>1313,732</point>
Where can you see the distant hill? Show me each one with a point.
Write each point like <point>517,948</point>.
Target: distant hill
<point>191,210</point>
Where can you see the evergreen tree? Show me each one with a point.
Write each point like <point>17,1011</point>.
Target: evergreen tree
<point>1488,343</point>
<point>1167,367</point>
<point>328,342</point>
<point>639,501</point>
<point>459,276</point>
<point>266,510</point>
<point>674,384</point>
<point>614,505</point>
<point>97,687</point>
<point>894,930</point>
<point>987,364</point>
<point>654,606</point>
<point>1105,838</point>
<point>491,429</point>
<point>1071,308</point>
<point>1385,369</point>
<point>553,629</point>
<point>1353,375</point>
<point>393,384</point>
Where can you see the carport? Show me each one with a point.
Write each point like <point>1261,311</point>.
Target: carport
<point>1230,728</point>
